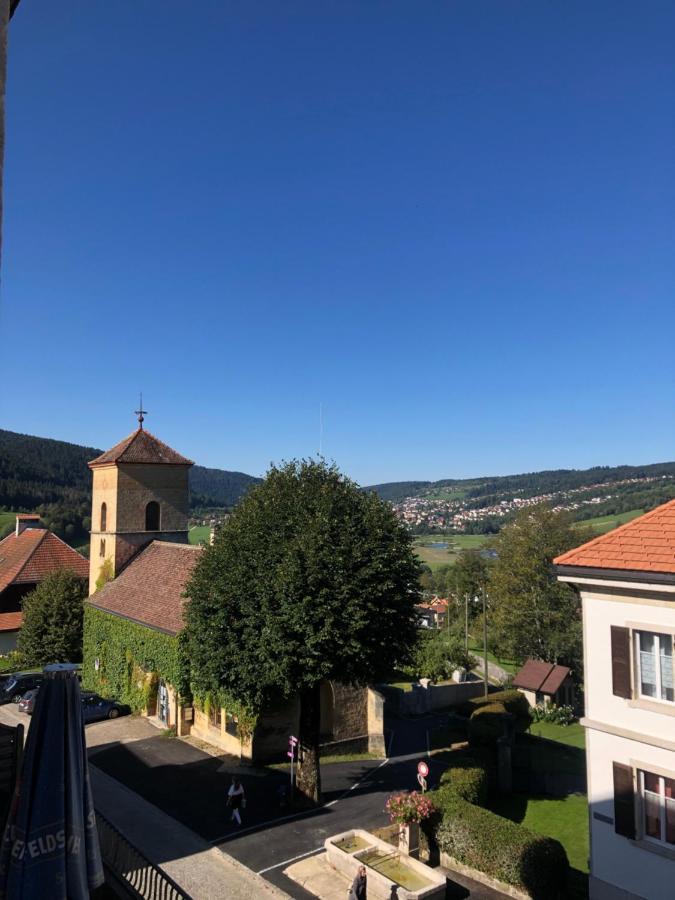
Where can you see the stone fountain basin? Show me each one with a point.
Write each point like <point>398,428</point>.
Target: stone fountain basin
<point>351,849</point>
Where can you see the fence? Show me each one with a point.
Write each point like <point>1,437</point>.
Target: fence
<point>130,871</point>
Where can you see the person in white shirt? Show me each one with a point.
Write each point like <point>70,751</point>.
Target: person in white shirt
<point>236,799</point>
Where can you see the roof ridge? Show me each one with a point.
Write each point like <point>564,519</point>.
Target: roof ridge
<point>614,532</point>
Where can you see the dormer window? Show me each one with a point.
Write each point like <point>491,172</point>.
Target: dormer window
<point>104,516</point>
<point>152,516</point>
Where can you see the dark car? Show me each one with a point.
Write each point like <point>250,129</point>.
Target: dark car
<point>13,689</point>
<point>27,702</point>
<point>95,708</point>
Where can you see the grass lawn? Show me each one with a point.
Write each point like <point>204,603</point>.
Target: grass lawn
<point>573,735</point>
<point>199,533</point>
<point>476,648</point>
<point>603,524</point>
<point>434,557</point>
<point>565,819</point>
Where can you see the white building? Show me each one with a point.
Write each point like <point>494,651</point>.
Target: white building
<point>627,584</point>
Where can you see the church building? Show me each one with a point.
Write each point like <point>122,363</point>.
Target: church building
<point>140,564</point>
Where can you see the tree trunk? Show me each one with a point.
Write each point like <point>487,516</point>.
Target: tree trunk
<point>309,773</point>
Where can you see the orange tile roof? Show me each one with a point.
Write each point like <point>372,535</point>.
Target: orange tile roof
<point>140,447</point>
<point>34,553</point>
<point>150,589</point>
<point>646,544</point>
<point>11,621</point>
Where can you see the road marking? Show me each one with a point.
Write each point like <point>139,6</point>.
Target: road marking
<point>239,831</point>
<point>292,859</point>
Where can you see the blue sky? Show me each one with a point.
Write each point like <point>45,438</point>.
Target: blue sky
<point>451,223</point>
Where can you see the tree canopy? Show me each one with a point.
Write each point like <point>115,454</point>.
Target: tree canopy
<point>52,620</point>
<point>530,612</point>
<point>309,579</point>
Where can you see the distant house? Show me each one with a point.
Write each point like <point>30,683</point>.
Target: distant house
<point>27,556</point>
<point>544,683</point>
<point>433,614</point>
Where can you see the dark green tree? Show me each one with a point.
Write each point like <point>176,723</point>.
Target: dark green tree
<point>530,612</point>
<point>309,579</point>
<point>52,620</point>
<point>469,575</point>
<point>439,656</point>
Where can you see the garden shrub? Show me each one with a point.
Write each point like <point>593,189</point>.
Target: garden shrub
<point>466,779</point>
<point>500,848</point>
<point>513,702</point>
<point>558,715</point>
<point>488,723</point>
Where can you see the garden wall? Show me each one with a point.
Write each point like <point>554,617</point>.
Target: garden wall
<point>423,700</point>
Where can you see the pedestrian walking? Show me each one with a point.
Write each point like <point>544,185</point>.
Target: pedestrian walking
<point>236,799</point>
<point>358,888</point>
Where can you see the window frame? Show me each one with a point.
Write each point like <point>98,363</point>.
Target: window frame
<point>637,666</point>
<point>103,516</point>
<point>657,841</point>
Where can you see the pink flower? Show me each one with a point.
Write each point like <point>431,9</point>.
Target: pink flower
<point>407,807</point>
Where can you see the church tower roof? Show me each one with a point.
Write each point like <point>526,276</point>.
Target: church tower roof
<point>141,447</point>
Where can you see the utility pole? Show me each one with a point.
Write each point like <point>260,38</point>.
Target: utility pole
<point>485,649</point>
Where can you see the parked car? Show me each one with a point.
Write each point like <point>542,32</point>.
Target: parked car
<point>27,702</point>
<point>95,708</point>
<point>18,684</point>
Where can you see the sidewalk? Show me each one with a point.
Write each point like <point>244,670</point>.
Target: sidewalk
<point>202,871</point>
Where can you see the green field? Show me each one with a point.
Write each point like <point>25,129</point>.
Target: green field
<point>199,534</point>
<point>603,524</point>
<point>438,556</point>
<point>5,518</point>
<point>573,735</point>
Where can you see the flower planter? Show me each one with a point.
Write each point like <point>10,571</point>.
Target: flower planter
<point>386,867</point>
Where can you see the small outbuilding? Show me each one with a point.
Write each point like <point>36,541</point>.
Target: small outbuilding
<point>544,683</point>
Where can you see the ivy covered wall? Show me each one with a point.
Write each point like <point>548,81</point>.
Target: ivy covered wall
<point>132,659</point>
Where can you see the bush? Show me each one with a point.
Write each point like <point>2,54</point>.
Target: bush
<point>500,848</point>
<point>558,715</point>
<point>513,701</point>
<point>467,780</point>
<point>488,723</point>
<point>437,657</point>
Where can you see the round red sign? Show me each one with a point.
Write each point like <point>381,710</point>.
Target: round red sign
<point>423,768</point>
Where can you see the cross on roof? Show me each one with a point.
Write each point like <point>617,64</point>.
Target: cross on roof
<point>140,412</point>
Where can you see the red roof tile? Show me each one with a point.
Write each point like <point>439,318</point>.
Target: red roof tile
<point>34,553</point>
<point>150,589</point>
<point>11,621</point>
<point>646,544</point>
<point>141,447</point>
<point>537,675</point>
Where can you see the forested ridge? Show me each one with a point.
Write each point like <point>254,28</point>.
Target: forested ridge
<point>51,477</point>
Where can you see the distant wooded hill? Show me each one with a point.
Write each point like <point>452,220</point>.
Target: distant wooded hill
<point>52,477</point>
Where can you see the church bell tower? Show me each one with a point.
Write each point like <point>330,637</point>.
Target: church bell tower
<point>140,493</point>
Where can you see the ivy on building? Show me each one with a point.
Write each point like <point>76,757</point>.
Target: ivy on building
<point>131,658</point>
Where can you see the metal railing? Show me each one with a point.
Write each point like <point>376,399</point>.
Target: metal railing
<point>130,870</point>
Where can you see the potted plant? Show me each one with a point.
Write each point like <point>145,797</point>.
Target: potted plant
<point>407,809</point>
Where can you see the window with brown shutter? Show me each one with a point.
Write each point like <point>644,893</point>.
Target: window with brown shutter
<point>624,803</point>
<point>621,686</point>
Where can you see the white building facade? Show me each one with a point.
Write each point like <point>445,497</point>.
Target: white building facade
<point>627,584</point>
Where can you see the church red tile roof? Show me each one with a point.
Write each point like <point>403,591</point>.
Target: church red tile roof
<point>537,675</point>
<point>34,553</point>
<point>646,544</point>
<point>150,589</point>
<point>141,447</point>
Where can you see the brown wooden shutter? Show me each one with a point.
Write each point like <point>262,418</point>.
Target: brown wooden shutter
<point>624,803</point>
<point>621,662</point>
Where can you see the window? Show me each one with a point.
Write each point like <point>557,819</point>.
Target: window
<point>231,724</point>
<point>152,516</point>
<point>654,665</point>
<point>658,807</point>
<point>215,714</point>
<point>104,516</point>
<point>101,551</point>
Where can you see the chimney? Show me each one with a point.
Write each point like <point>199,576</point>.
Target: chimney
<point>27,520</point>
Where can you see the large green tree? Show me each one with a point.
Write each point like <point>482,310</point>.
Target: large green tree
<point>530,612</point>
<point>309,579</point>
<point>52,620</point>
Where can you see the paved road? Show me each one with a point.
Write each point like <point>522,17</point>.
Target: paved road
<point>190,786</point>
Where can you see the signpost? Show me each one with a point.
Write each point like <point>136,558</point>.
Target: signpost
<point>292,752</point>
<point>422,772</point>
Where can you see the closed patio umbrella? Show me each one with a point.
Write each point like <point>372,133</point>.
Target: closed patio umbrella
<point>50,845</point>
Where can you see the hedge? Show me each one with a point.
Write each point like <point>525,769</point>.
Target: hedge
<point>488,723</point>
<point>467,780</point>
<point>513,702</point>
<point>500,848</point>
<point>127,653</point>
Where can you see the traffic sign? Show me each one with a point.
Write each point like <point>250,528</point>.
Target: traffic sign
<point>422,768</point>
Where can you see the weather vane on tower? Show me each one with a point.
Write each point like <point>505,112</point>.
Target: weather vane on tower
<point>140,412</point>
